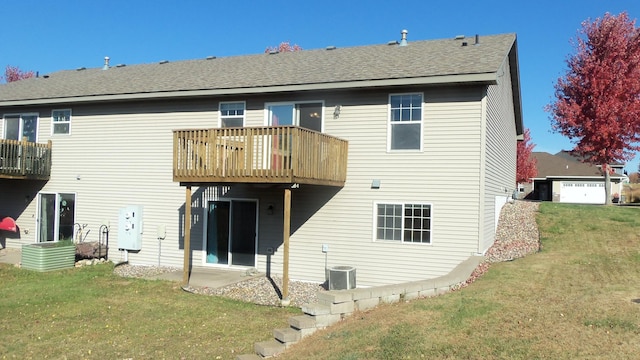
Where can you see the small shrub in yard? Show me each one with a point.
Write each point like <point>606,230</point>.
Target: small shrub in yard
<point>631,193</point>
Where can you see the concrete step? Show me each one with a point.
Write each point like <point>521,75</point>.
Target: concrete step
<point>316,309</point>
<point>302,322</point>
<point>249,357</point>
<point>322,321</point>
<point>269,348</point>
<point>287,335</point>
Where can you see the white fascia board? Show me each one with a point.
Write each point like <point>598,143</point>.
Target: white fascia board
<point>483,78</point>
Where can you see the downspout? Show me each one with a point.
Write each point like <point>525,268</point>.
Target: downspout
<point>483,170</point>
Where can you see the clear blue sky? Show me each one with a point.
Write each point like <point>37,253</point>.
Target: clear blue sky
<point>48,36</point>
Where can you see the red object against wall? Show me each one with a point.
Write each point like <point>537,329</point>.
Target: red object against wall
<point>8,224</point>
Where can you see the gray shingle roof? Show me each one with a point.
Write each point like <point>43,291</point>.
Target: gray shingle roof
<point>420,59</point>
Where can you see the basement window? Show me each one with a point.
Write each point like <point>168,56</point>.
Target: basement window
<point>403,222</point>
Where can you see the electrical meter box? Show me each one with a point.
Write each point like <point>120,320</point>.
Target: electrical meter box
<point>130,228</point>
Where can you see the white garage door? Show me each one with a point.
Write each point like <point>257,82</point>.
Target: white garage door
<point>582,192</point>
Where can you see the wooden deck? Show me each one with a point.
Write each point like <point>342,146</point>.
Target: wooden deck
<point>282,154</point>
<point>25,160</point>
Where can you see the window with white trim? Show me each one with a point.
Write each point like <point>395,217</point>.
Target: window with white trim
<point>405,122</point>
<point>403,222</point>
<point>61,122</point>
<point>232,114</point>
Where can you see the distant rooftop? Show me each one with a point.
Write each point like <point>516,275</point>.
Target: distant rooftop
<point>563,164</point>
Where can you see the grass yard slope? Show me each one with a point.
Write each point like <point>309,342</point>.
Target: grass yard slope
<point>90,313</point>
<point>578,298</point>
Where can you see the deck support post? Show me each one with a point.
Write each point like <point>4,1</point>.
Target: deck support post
<point>23,154</point>
<point>187,236</point>
<point>285,255</point>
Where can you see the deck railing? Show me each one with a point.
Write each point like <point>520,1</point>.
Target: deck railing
<point>25,160</point>
<point>282,154</point>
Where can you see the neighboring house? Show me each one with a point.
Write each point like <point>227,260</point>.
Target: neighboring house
<point>564,178</point>
<point>362,141</point>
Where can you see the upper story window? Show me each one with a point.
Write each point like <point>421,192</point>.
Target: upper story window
<point>21,126</point>
<point>403,222</point>
<point>405,122</point>
<point>307,115</point>
<point>232,114</point>
<point>61,121</point>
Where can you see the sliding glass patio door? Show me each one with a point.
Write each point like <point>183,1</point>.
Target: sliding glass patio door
<point>231,232</point>
<point>56,216</point>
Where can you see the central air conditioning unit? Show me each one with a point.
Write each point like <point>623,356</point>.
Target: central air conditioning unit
<point>342,278</point>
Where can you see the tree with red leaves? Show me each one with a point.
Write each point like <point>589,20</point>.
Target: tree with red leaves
<point>13,73</point>
<point>284,46</point>
<point>597,102</point>
<point>526,165</point>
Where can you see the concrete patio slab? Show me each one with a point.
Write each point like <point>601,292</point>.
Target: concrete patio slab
<point>200,277</point>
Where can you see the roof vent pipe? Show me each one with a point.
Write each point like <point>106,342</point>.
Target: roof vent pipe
<point>106,63</point>
<point>477,40</point>
<point>403,41</point>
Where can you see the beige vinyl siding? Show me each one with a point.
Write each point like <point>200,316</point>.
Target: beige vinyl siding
<point>500,165</point>
<point>15,194</point>
<point>344,221</point>
<point>130,158</point>
<point>18,196</point>
<point>123,155</point>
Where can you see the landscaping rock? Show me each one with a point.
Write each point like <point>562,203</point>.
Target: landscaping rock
<point>517,236</point>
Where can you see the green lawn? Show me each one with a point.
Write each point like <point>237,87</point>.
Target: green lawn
<point>89,313</point>
<point>576,299</point>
